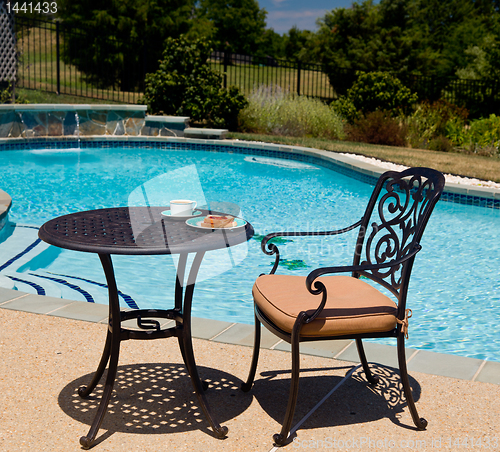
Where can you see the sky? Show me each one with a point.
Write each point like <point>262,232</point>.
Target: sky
<point>284,14</point>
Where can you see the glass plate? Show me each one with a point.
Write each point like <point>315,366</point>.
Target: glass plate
<point>196,223</point>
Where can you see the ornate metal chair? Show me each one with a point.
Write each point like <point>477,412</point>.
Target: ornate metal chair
<point>318,307</point>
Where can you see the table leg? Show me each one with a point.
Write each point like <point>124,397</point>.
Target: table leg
<point>112,347</point>
<point>186,344</point>
<point>85,391</point>
<point>179,285</point>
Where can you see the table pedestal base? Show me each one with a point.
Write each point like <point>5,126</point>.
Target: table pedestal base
<point>150,330</point>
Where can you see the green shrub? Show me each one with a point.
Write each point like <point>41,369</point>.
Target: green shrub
<point>438,119</point>
<point>227,108</point>
<point>375,91</point>
<point>185,85</point>
<point>272,110</point>
<point>378,127</point>
<point>483,136</point>
<point>456,131</point>
<point>6,95</point>
<point>441,144</point>
<point>345,108</point>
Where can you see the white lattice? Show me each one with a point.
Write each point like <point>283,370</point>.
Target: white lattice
<point>7,45</point>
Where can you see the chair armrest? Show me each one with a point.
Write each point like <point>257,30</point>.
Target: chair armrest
<point>354,268</point>
<point>273,249</point>
<point>319,287</point>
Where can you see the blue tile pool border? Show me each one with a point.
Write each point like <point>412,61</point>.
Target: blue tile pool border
<point>347,166</point>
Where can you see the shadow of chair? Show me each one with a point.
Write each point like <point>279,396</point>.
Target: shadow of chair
<point>318,307</point>
<point>335,396</point>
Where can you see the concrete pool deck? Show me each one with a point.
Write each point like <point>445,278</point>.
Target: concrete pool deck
<point>51,346</point>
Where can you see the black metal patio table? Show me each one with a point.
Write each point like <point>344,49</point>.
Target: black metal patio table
<point>142,231</point>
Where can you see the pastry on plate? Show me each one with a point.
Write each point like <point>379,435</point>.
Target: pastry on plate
<point>218,221</point>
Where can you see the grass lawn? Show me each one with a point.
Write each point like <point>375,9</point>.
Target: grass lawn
<point>469,165</point>
<point>43,97</point>
<point>37,70</point>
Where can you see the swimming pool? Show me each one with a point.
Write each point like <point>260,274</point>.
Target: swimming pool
<point>454,291</point>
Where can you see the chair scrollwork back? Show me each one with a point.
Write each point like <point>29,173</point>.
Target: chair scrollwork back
<point>394,221</point>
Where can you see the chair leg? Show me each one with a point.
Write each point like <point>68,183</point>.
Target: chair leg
<point>368,373</point>
<point>245,387</point>
<point>280,438</point>
<point>419,422</point>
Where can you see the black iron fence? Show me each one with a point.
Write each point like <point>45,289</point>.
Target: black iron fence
<point>47,63</point>
<point>480,97</point>
<point>248,73</point>
<point>44,63</point>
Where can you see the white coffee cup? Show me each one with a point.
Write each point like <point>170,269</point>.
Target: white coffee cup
<point>182,207</point>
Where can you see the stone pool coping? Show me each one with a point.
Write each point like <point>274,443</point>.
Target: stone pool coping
<point>5,203</point>
<point>446,365</point>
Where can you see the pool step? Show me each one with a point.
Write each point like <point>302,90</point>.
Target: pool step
<point>23,262</point>
<point>6,283</point>
<point>22,250</point>
<point>74,287</point>
<point>214,134</point>
<point>20,246</point>
<point>165,126</point>
<point>26,282</point>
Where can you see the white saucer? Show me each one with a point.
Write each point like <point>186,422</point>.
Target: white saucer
<point>167,214</point>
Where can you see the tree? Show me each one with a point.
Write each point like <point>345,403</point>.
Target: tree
<point>272,44</point>
<point>441,32</point>
<point>405,36</point>
<point>296,44</point>
<point>361,38</point>
<point>114,42</point>
<point>367,37</point>
<point>482,59</point>
<point>239,24</point>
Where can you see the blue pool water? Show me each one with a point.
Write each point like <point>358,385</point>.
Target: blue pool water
<point>455,286</point>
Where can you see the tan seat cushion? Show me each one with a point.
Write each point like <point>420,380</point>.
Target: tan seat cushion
<point>353,306</point>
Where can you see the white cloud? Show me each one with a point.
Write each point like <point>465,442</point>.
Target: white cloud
<point>282,21</point>
<point>297,14</point>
